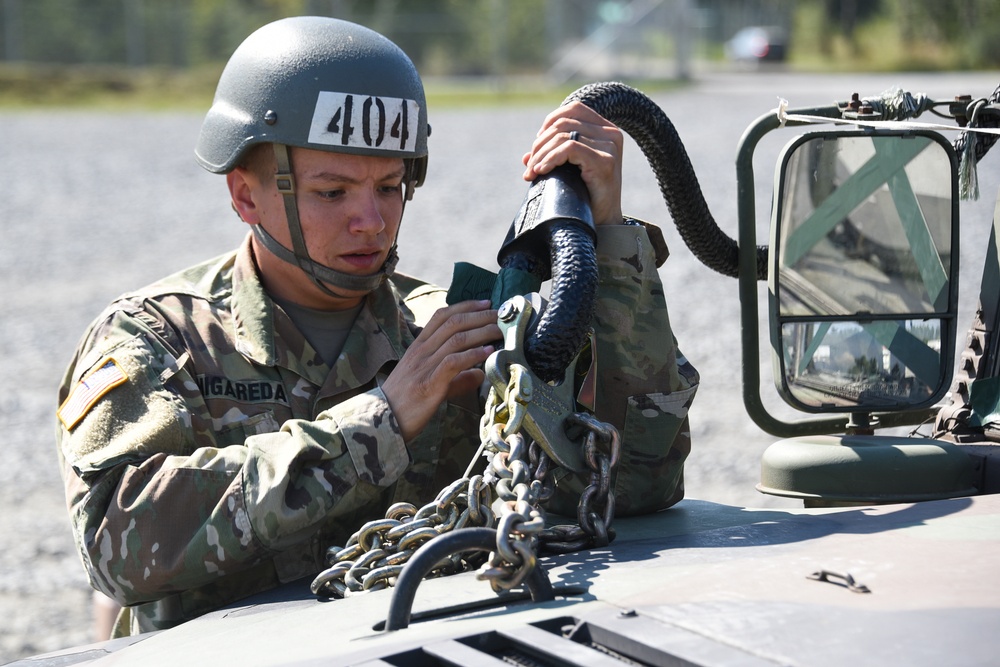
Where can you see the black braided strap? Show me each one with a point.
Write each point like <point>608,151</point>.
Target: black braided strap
<point>648,125</point>
<point>565,324</point>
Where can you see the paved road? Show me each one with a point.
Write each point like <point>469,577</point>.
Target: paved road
<point>96,204</point>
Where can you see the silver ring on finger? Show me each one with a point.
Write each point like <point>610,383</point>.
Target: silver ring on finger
<point>574,136</point>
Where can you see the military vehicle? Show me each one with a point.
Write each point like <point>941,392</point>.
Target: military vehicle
<point>891,559</point>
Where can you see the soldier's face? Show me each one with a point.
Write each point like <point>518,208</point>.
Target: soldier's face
<point>349,209</point>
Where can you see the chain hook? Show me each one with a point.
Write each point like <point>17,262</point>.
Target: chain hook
<point>548,405</point>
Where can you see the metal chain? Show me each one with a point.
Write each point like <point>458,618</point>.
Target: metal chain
<point>375,554</point>
<point>518,474</point>
<point>596,509</point>
<point>518,492</point>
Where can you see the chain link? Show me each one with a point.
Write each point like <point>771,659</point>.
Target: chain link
<point>518,475</point>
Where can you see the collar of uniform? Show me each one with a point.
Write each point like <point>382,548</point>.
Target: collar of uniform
<point>253,310</point>
<point>262,331</point>
<point>380,335</point>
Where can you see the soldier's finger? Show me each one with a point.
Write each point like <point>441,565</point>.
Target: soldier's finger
<point>459,326</point>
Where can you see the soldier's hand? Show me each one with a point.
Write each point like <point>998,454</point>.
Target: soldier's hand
<point>596,150</point>
<point>443,361</point>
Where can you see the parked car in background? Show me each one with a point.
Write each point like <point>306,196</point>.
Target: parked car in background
<point>758,44</point>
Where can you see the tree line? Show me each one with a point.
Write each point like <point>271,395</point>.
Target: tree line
<point>457,35</point>
<point>483,36</point>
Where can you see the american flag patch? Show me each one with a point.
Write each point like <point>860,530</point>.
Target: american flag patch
<point>89,390</point>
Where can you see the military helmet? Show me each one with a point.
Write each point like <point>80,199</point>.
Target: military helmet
<point>321,83</point>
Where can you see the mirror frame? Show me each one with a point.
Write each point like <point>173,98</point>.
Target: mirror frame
<point>947,317</point>
<point>748,286</point>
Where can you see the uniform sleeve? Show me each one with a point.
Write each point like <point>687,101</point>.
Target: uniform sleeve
<point>158,506</point>
<point>644,385</point>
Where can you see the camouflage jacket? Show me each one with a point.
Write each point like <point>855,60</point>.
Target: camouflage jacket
<point>209,453</point>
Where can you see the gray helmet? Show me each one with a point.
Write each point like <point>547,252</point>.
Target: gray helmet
<point>325,84</point>
<point>321,83</point>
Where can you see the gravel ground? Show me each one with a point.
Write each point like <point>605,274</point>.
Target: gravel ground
<point>95,204</point>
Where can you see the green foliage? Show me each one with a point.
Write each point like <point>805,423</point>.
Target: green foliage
<point>497,36</point>
<point>52,50</point>
<point>452,36</point>
<point>107,87</point>
<point>897,34</point>
<point>100,52</point>
<point>972,27</point>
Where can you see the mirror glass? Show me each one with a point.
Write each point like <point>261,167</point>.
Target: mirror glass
<point>881,365</point>
<point>862,293</point>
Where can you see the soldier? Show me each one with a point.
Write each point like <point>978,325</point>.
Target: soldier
<point>220,428</point>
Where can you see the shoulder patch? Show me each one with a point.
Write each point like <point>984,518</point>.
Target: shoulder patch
<point>106,376</point>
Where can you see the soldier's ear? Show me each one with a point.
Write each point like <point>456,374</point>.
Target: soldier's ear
<point>243,185</point>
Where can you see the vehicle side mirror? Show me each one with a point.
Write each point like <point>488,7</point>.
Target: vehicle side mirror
<point>863,272</point>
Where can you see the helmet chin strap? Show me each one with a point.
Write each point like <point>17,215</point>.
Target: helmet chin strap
<point>322,276</point>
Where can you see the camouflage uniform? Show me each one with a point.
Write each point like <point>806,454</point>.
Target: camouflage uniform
<point>209,453</point>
